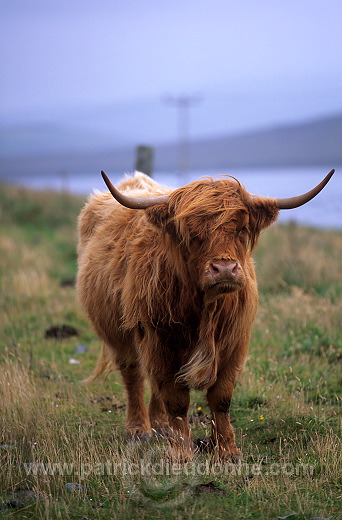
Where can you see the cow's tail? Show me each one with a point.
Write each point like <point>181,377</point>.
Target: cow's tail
<point>104,362</point>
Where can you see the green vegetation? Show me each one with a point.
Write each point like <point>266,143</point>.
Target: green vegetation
<point>54,430</point>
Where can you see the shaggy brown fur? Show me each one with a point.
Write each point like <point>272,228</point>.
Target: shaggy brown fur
<point>147,281</point>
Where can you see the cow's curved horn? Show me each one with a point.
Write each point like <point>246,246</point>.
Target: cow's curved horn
<point>295,202</point>
<point>134,202</point>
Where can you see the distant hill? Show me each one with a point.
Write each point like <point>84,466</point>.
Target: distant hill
<point>310,143</point>
<point>317,142</point>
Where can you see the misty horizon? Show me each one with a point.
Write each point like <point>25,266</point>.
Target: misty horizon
<point>75,79</point>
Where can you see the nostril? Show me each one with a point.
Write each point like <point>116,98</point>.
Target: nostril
<point>214,269</point>
<point>235,269</point>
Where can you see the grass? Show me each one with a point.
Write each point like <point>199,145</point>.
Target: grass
<point>54,431</point>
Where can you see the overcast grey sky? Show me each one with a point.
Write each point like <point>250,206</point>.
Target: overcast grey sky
<point>100,62</point>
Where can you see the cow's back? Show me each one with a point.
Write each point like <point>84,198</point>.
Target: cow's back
<point>106,231</point>
<point>101,208</point>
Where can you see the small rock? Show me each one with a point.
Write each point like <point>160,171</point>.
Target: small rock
<point>61,331</point>
<point>318,518</point>
<point>12,504</point>
<point>27,494</point>
<point>209,487</point>
<point>75,487</point>
<point>80,349</point>
<point>19,498</point>
<point>74,361</point>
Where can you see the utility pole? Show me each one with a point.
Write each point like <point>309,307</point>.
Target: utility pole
<point>183,104</point>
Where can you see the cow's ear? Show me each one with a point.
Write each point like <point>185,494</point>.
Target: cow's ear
<point>263,212</point>
<point>159,215</point>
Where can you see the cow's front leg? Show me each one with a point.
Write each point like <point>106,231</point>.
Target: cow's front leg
<point>176,399</point>
<point>222,436</point>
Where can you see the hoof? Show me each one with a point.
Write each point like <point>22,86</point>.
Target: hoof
<point>235,459</point>
<point>226,455</point>
<point>203,445</point>
<point>180,455</point>
<point>164,433</point>
<point>138,437</point>
<point>219,453</point>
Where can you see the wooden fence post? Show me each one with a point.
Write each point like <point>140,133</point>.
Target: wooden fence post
<point>144,159</point>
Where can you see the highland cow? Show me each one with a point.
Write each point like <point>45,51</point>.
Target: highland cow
<point>167,280</point>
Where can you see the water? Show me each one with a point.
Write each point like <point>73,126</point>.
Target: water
<point>325,211</point>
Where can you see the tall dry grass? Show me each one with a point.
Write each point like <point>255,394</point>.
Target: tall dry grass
<point>53,430</point>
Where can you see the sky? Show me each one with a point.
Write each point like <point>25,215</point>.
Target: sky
<point>80,73</point>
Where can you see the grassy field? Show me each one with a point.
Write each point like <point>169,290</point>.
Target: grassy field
<point>55,431</point>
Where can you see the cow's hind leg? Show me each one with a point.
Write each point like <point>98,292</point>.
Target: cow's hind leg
<point>157,412</point>
<point>137,420</point>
